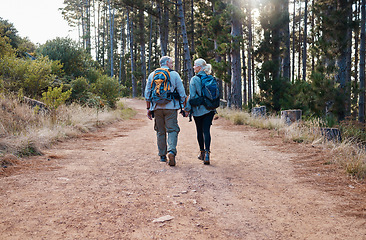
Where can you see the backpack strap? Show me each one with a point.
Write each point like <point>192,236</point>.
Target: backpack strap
<point>200,76</point>
<point>175,93</point>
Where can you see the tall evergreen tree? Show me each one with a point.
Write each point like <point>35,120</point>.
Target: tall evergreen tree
<point>361,105</point>
<point>236,34</point>
<point>187,57</point>
<point>305,35</point>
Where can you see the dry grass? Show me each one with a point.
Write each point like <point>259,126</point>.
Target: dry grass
<point>24,131</point>
<point>349,154</point>
<point>241,118</point>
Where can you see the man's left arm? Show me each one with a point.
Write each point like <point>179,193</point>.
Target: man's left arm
<point>147,96</point>
<point>180,89</point>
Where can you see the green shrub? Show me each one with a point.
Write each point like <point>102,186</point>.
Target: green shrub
<point>38,76</point>
<point>54,97</point>
<point>108,89</point>
<point>93,74</point>
<point>80,88</point>
<point>76,61</point>
<point>33,76</point>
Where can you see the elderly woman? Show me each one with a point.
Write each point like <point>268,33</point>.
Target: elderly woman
<point>201,115</point>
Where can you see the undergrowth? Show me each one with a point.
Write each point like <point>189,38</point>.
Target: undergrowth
<point>350,153</point>
<point>24,130</point>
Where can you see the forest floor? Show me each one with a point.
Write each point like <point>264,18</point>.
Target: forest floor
<point>109,184</point>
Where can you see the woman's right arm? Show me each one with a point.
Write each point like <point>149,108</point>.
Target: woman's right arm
<point>192,94</point>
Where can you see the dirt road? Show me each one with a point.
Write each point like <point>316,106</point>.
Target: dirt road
<point>111,185</point>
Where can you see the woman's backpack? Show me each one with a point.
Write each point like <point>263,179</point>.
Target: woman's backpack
<point>210,93</point>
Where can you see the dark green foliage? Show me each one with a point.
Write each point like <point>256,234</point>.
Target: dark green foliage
<point>275,93</point>
<point>8,30</point>
<point>76,61</point>
<point>80,88</point>
<point>108,89</point>
<point>32,76</point>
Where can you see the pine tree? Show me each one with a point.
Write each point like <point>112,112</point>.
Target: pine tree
<point>361,105</point>
<point>236,34</point>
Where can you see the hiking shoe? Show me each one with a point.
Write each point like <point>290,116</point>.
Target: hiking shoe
<point>163,158</point>
<point>171,157</point>
<point>206,161</point>
<point>201,156</point>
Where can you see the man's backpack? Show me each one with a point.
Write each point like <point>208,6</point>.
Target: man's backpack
<point>210,94</point>
<point>160,86</point>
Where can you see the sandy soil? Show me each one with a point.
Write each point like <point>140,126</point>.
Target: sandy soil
<point>110,185</point>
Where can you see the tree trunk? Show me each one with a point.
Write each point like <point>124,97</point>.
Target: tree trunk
<point>150,45</point>
<point>291,116</point>
<point>228,85</point>
<point>349,59</point>
<point>86,25</point>
<point>164,28</point>
<point>105,33</point>
<point>130,33</point>
<point>361,102</point>
<point>250,43</point>
<point>83,25</point>
<point>300,41</point>
<point>286,60</point>
<point>111,37</point>
<point>253,77</point>
<point>192,26</point>
<point>357,40</point>
<point>304,54</point>
<point>276,44</point>
<point>142,46</point>
<point>95,31</point>
<point>122,73</point>
<point>187,57</point>
<point>293,43</point>
<point>236,33</point>
<point>218,59</point>
<point>176,40</point>
<point>244,69</point>
<point>312,35</point>
<point>344,63</point>
<point>98,36</point>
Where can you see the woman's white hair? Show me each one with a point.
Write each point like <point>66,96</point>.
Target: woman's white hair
<point>206,67</point>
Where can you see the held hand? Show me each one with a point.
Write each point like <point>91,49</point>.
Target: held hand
<point>149,114</point>
<point>184,113</point>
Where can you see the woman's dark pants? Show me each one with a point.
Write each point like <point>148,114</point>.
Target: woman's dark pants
<point>203,125</point>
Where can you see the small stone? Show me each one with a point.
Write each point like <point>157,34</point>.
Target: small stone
<point>163,219</point>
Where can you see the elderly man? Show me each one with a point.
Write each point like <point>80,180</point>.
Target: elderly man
<point>164,108</point>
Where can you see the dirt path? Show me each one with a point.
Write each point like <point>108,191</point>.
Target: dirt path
<point>110,185</point>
